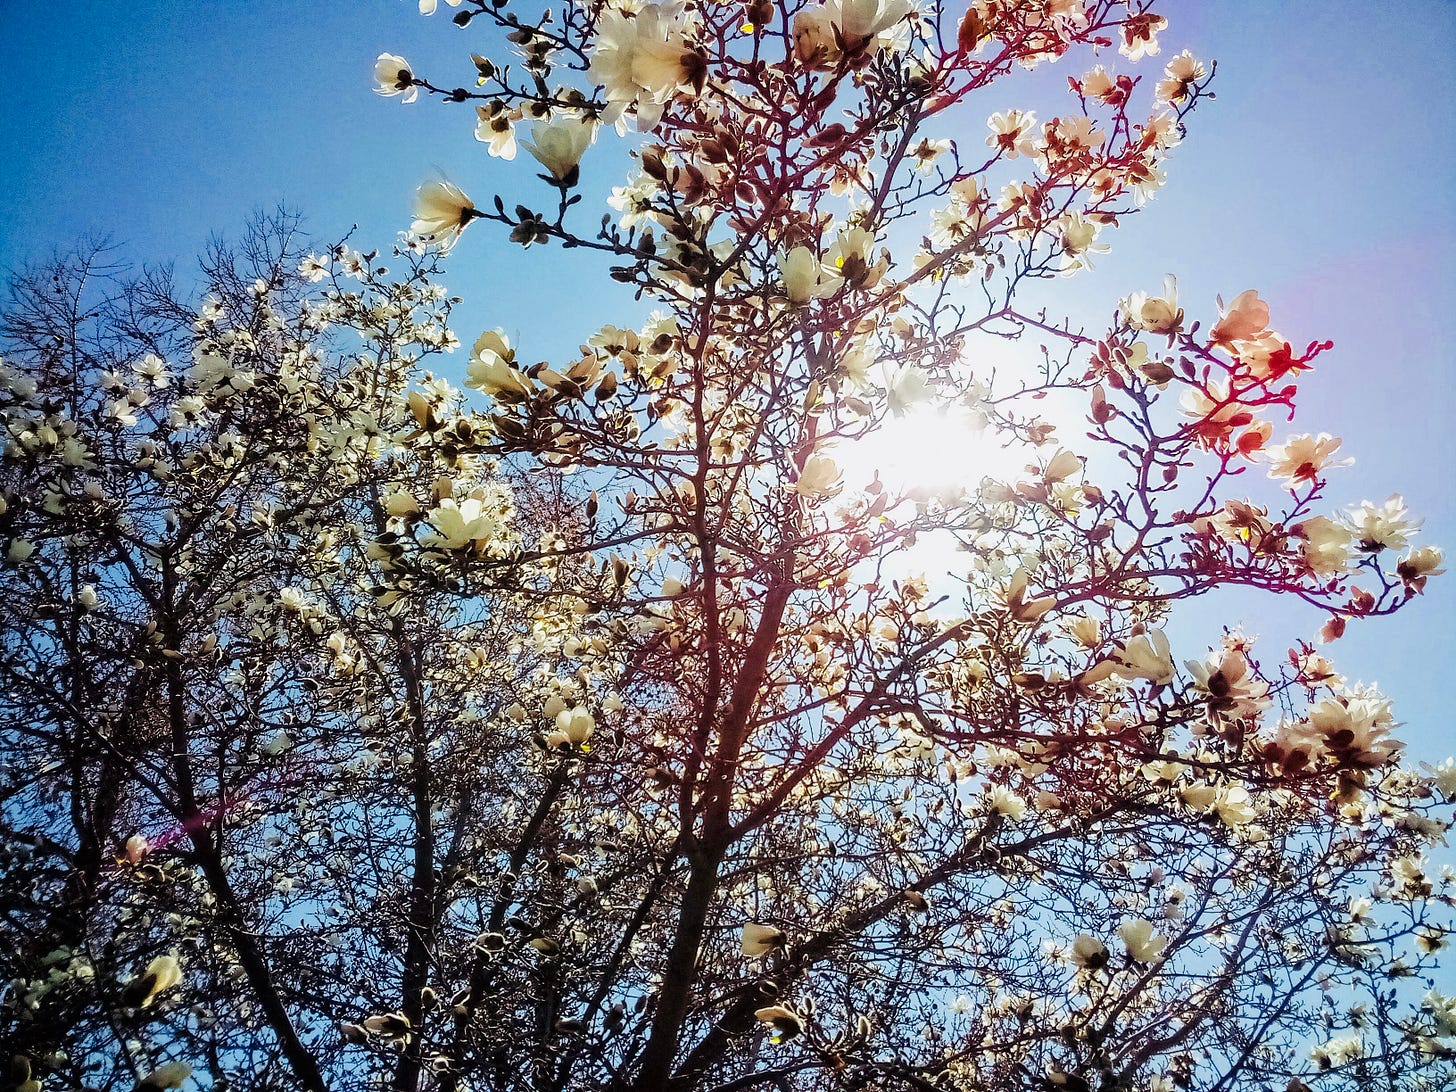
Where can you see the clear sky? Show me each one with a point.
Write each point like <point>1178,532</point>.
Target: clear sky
<point>1322,175</point>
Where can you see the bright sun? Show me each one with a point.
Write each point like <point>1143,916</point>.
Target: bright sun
<point>932,449</point>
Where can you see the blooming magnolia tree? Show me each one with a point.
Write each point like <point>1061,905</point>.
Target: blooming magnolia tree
<point>597,731</point>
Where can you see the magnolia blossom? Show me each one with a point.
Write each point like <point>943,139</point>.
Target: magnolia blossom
<point>1088,952</point>
<point>820,478</point>
<point>559,144</point>
<point>574,727</point>
<point>906,387</point>
<point>1079,241</point>
<point>1012,133</point>
<point>642,61</point>
<point>1245,319</point>
<point>1140,35</point>
<point>1147,656</point>
<point>1143,945</point>
<point>1179,75</point>
<point>1227,684</point>
<point>494,128</point>
<point>1420,563</point>
<point>1387,526</point>
<point>162,973</point>
<point>852,257</point>
<point>1155,314</point>
<point>1233,805</point>
<point>393,76</point>
<point>758,940</point>
<point>442,211</point>
<point>1304,458</point>
<point>805,278</point>
<point>466,524</point>
<point>784,1021</point>
<point>170,1075</point>
<point>1325,548</point>
<point>1006,803</point>
<point>856,25</point>
<point>427,7</point>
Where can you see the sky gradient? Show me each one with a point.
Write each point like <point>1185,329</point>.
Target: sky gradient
<point>1322,176</point>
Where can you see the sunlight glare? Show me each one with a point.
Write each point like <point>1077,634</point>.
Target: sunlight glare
<point>937,449</point>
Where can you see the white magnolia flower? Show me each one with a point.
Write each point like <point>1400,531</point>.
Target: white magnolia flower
<point>641,60</point>
<point>1234,805</point>
<point>427,7</point>
<point>161,975</point>
<point>784,1021</point>
<point>1419,564</point>
<point>1155,314</point>
<point>758,940</point>
<point>1387,526</point>
<point>906,387</point>
<point>576,725</point>
<point>1006,803</point>
<point>462,524</point>
<point>805,278</point>
<point>1304,458</point>
<point>1147,656</point>
<point>170,1075</point>
<point>820,478</point>
<point>559,144</point>
<point>392,76</point>
<point>823,34</point>
<point>442,211</point>
<point>1088,952</point>
<point>1325,545</point>
<point>1143,945</point>
<point>494,128</point>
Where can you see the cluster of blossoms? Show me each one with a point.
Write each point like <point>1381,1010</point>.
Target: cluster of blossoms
<point>579,724</point>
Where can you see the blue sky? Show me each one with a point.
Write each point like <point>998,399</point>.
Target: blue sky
<point>1322,175</point>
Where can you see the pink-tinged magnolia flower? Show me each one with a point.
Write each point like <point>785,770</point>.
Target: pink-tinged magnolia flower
<point>442,211</point>
<point>1140,35</point>
<point>1304,458</point>
<point>1100,84</point>
<point>824,34</point>
<point>1011,133</point>
<point>1245,319</point>
<point>1325,548</point>
<point>1179,75</point>
<point>1147,656</point>
<point>1218,415</point>
<point>1155,314</point>
<point>1225,683</point>
<point>1384,527</point>
<point>392,76</point>
<point>1419,564</point>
